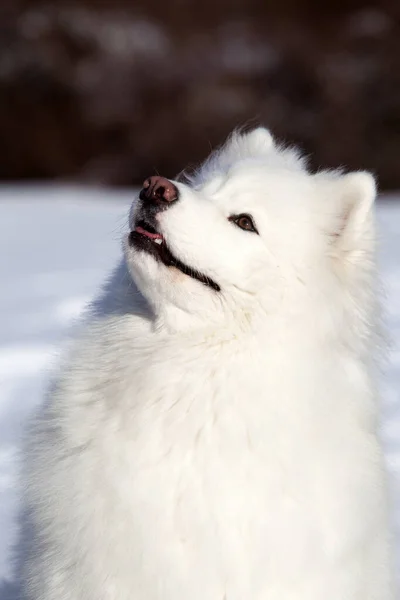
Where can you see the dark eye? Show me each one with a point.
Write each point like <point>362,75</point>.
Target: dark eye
<point>244,222</point>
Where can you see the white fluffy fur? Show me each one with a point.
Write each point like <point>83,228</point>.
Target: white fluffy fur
<point>204,445</point>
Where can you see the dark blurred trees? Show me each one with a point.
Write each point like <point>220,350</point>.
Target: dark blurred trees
<point>112,91</point>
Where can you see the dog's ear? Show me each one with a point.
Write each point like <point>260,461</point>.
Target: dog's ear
<point>353,227</point>
<point>260,144</point>
<point>255,143</point>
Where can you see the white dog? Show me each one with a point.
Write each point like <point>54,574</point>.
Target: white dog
<point>213,435</point>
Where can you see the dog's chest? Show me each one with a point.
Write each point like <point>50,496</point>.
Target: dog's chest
<point>226,459</point>
<point>224,453</point>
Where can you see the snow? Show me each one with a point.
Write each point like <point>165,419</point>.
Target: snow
<point>56,247</point>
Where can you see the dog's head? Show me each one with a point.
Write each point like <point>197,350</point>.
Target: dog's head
<point>252,232</point>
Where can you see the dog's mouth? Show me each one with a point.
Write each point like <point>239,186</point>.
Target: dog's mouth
<point>145,237</point>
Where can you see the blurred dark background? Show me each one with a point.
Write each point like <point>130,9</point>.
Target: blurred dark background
<point>112,91</point>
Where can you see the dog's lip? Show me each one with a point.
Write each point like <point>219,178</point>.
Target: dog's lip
<point>145,237</point>
<point>149,234</point>
<point>144,229</point>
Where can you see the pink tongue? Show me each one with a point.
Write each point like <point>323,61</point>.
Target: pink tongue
<point>153,236</point>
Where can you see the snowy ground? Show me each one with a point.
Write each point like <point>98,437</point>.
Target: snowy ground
<point>56,246</point>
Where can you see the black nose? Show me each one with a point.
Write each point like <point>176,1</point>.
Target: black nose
<point>158,190</point>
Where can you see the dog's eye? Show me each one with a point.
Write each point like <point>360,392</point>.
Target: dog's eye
<point>244,222</point>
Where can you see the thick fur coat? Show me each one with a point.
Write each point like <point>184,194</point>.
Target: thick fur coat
<point>213,433</point>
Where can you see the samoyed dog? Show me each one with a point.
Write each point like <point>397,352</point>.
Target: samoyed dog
<point>213,433</point>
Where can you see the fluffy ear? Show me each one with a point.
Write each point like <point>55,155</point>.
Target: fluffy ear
<point>257,142</point>
<point>239,146</point>
<point>354,198</point>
